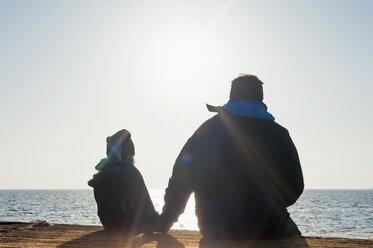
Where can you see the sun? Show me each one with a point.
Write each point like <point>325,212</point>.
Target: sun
<point>184,57</point>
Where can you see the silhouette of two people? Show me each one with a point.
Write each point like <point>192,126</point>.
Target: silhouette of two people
<point>241,165</point>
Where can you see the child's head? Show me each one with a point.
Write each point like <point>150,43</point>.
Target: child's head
<point>120,146</point>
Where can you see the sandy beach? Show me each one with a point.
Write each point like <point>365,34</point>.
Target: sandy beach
<point>44,234</point>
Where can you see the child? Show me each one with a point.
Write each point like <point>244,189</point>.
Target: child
<point>123,201</point>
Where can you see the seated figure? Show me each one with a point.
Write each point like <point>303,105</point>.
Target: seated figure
<point>122,198</point>
<point>243,169</point>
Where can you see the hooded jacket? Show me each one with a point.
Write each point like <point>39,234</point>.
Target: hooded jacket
<point>123,201</point>
<point>244,173</point>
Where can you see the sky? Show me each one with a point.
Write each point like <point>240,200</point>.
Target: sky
<point>74,72</point>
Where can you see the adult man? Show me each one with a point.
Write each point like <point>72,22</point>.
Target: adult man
<point>243,168</point>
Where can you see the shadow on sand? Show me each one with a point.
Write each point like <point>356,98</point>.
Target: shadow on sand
<point>105,239</point>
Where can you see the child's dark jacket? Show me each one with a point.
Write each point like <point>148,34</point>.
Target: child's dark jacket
<point>123,201</point>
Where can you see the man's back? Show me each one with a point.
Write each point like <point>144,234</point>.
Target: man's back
<point>246,178</point>
<point>243,168</point>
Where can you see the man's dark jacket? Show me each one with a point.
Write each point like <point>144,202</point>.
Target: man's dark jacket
<point>123,202</point>
<point>244,173</point>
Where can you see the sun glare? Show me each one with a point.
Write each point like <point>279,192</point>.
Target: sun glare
<point>184,57</point>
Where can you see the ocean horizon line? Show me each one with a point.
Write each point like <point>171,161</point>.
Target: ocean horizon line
<point>165,189</point>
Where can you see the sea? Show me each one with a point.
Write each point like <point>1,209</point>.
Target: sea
<point>325,213</point>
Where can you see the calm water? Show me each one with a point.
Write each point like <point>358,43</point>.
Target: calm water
<point>327,213</point>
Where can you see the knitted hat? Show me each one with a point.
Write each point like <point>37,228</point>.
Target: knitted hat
<point>120,145</point>
<point>246,87</point>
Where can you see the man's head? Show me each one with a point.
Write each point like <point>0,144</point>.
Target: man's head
<point>246,87</point>
<point>120,146</point>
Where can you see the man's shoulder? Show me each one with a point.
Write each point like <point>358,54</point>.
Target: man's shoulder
<point>257,122</point>
<point>280,127</point>
<point>216,125</point>
<point>209,125</point>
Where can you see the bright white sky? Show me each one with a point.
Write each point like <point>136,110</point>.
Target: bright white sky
<point>74,72</point>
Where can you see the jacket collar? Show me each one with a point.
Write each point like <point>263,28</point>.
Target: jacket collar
<point>246,108</point>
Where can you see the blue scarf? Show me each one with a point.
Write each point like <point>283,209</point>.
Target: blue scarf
<point>248,108</point>
<point>103,162</point>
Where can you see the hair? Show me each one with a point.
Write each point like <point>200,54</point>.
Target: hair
<point>246,87</point>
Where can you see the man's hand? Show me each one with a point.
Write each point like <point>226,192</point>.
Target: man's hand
<point>163,224</point>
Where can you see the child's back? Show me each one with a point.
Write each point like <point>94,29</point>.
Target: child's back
<point>123,201</point>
